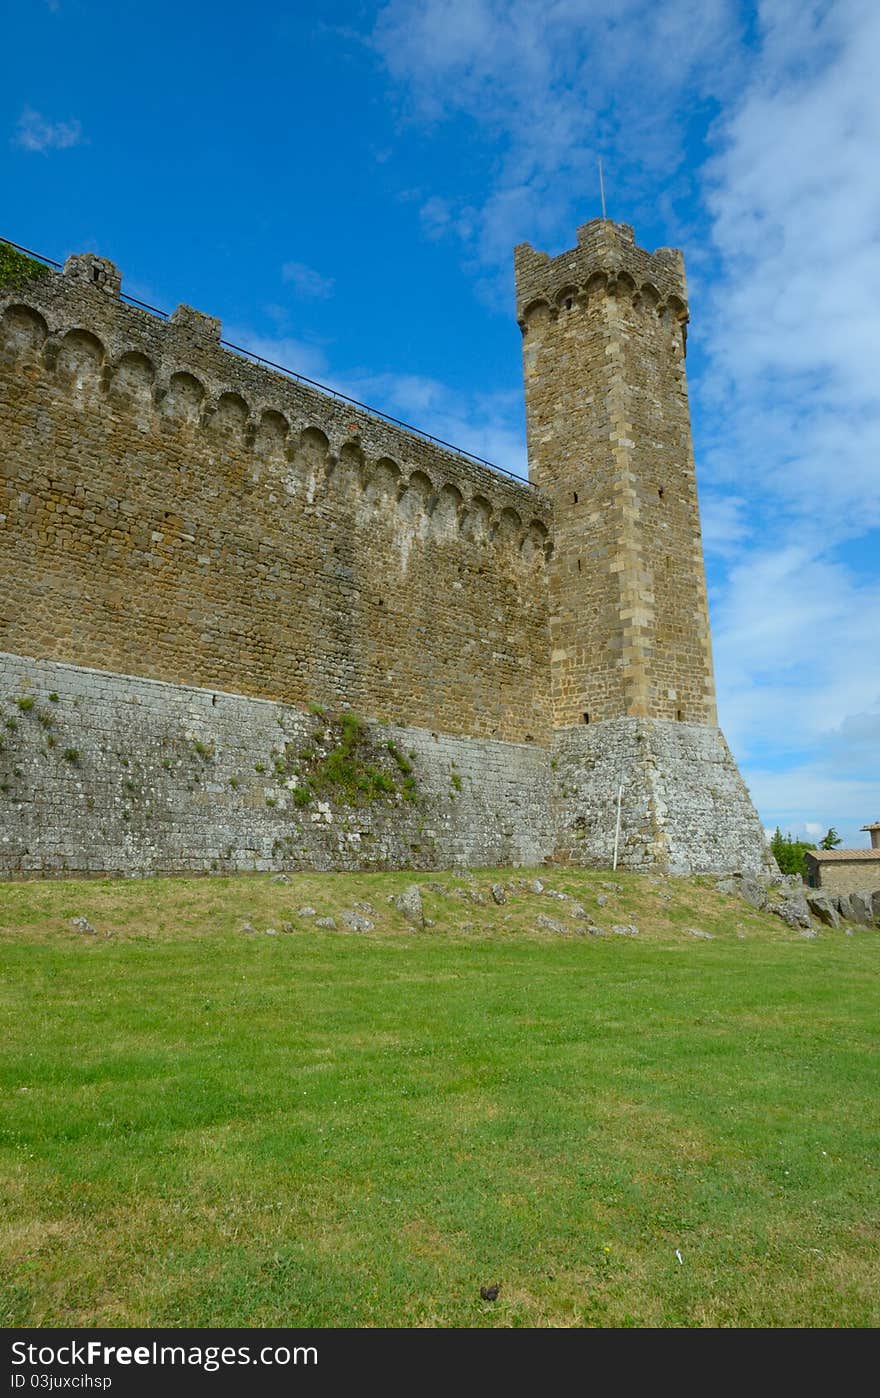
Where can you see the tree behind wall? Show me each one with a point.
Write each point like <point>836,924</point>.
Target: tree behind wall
<point>790,853</point>
<point>831,840</point>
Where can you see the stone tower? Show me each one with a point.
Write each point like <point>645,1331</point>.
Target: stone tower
<point>609,441</point>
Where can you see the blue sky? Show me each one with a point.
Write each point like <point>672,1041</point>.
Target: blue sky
<point>344,183</point>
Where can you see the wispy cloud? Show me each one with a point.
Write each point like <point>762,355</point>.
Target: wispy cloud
<point>795,320</point>
<point>725,524</point>
<point>34,132</point>
<point>487,424</point>
<point>791,333</point>
<point>306,282</point>
<point>284,350</point>
<point>782,228</point>
<point>555,84</point>
<point>796,654</point>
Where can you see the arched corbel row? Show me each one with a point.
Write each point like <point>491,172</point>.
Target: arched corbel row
<point>179,400</point>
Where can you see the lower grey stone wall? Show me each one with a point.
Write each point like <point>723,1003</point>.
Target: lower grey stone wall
<point>684,808</point>
<point>107,773</point>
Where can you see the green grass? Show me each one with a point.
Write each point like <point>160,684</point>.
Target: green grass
<point>207,1127</point>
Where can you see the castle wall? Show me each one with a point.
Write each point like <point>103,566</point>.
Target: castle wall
<point>206,565</point>
<point>110,773</point>
<point>684,806</point>
<point>170,510</point>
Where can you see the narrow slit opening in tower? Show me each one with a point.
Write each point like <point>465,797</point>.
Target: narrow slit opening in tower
<point>660,492</point>
<point>575,496</point>
<point>679,714</point>
<point>586,718</point>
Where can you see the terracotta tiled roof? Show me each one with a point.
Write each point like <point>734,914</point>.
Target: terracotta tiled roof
<point>843,854</point>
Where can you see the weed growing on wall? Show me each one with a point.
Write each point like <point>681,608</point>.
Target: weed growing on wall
<point>16,269</point>
<point>343,764</point>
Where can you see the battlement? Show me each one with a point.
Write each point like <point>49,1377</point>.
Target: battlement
<point>606,258</point>
<point>74,325</point>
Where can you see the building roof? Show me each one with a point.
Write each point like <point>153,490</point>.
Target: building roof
<point>826,855</point>
<point>874,826</point>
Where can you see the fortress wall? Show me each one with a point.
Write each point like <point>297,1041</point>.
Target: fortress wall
<point>684,806</point>
<point>108,773</point>
<point>170,510</point>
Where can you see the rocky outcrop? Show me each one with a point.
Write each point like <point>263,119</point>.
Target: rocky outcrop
<point>800,907</point>
<point>409,902</point>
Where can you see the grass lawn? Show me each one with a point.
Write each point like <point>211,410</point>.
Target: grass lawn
<point>205,1126</point>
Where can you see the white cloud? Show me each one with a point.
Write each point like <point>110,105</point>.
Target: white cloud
<point>795,199</point>
<point>552,85</point>
<point>796,653</point>
<point>435,216</point>
<point>486,424</point>
<point>284,350</point>
<point>306,282</point>
<point>793,323</point>
<point>724,523</point>
<point>809,797</point>
<point>34,132</point>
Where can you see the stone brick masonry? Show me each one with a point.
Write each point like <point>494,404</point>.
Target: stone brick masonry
<point>195,549</point>
<point>610,443</point>
<point>172,510</point>
<point>120,774</point>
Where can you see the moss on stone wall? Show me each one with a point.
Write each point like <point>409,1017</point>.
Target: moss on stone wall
<point>16,269</point>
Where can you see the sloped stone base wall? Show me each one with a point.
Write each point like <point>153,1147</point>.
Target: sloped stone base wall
<point>106,773</point>
<point>684,806</point>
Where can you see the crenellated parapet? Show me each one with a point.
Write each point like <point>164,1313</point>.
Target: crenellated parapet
<point>175,375</point>
<point>606,261</point>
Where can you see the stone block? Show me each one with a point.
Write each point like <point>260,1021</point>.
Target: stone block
<point>793,910</point>
<point>823,907</point>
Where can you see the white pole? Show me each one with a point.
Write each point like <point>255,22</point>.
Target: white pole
<point>602,187</point>
<point>617,826</point>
